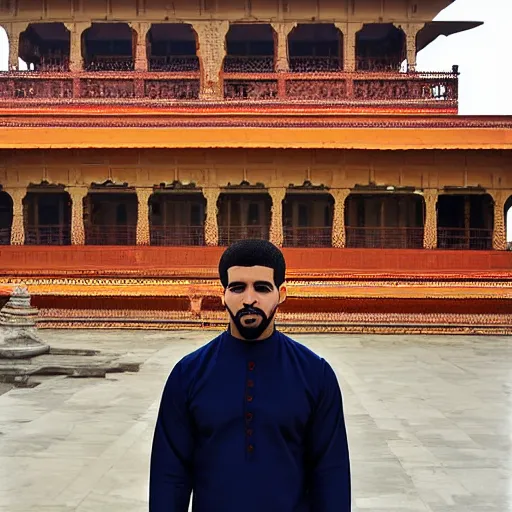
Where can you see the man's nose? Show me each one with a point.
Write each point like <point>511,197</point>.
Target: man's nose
<point>250,297</point>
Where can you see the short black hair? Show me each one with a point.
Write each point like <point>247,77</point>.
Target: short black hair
<point>249,253</point>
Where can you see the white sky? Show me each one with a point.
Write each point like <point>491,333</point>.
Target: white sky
<point>483,56</point>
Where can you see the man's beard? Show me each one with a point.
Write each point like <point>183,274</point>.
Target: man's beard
<point>246,331</point>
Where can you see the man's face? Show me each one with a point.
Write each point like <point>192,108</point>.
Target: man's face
<point>252,298</point>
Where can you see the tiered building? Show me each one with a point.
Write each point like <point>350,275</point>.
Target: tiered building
<point>147,135</point>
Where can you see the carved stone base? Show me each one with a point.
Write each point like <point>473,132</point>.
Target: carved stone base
<point>18,330</point>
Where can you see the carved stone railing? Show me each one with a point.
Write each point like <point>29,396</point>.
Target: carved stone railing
<point>315,64</point>
<point>263,64</point>
<point>175,64</point>
<point>409,89</point>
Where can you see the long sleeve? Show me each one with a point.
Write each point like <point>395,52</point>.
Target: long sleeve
<point>170,483</point>
<point>328,456</point>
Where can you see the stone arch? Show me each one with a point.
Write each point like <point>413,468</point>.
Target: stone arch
<point>47,215</point>
<point>384,220</point>
<point>315,47</point>
<point>380,47</point>
<point>109,47</point>
<point>243,214</point>
<point>177,218</point>
<point>4,49</point>
<point>6,217</point>
<point>110,215</point>
<point>45,47</point>
<point>508,222</point>
<point>250,48</point>
<point>307,218</point>
<point>465,220</point>
<point>172,47</point>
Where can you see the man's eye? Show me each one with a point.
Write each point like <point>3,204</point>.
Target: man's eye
<point>263,289</point>
<point>236,289</point>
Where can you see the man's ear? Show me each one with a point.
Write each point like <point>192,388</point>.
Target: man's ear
<point>282,294</point>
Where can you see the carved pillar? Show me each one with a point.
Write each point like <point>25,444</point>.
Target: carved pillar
<point>211,49</point>
<point>411,31</point>
<point>143,228</point>
<point>430,229</point>
<point>14,31</point>
<point>76,61</point>
<point>349,31</point>
<point>276,222</point>
<point>499,238</point>
<point>338,221</point>
<point>18,225</point>
<point>211,229</point>
<point>141,52</point>
<point>77,195</point>
<point>282,32</point>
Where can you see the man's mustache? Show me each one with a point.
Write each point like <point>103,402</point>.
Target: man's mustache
<point>250,310</point>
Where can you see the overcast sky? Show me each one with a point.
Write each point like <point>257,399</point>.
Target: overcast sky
<point>482,54</point>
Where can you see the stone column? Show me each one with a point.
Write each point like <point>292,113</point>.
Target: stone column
<point>276,222</point>
<point>76,61</point>
<point>430,229</point>
<point>211,228</point>
<point>18,226</point>
<point>141,52</point>
<point>77,195</point>
<point>411,31</point>
<point>338,221</point>
<point>143,228</point>
<point>282,30</point>
<point>499,238</point>
<point>14,31</point>
<point>349,31</point>
<point>211,49</point>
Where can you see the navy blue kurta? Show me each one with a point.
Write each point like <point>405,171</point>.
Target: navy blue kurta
<point>251,427</point>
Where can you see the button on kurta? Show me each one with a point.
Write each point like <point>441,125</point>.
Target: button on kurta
<point>251,366</point>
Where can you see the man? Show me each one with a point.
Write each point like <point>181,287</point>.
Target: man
<point>252,421</point>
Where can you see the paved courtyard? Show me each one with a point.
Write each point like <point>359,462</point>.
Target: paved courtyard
<point>429,422</point>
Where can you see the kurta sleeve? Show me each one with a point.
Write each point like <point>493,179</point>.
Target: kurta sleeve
<point>327,450</point>
<point>170,482</point>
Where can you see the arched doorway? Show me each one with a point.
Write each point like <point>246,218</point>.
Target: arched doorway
<point>465,221</point>
<point>315,47</point>
<point>4,54</point>
<point>46,47</point>
<point>384,221</point>
<point>109,47</point>
<point>307,219</point>
<point>380,47</point>
<point>243,215</point>
<point>110,216</point>
<point>177,218</point>
<point>47,216</point>
<point>508,222</point>
<point>6,213</point>
<point>172,48</point>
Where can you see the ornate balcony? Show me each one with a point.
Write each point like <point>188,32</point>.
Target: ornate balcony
<point>175,236</point>
<point>333,88</point>
<point>384,238</point>
<point>58,234</point>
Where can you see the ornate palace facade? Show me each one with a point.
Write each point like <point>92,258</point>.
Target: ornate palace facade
<point>168,130</point>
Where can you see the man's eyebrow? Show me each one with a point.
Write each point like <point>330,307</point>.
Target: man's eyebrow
<point>236,283</point>
<point>264,283</point>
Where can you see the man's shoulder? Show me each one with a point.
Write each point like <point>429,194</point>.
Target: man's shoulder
<point>200,355</point>
<point>302,351</point>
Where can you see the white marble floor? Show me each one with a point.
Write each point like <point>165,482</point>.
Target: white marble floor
<point>429,422</point>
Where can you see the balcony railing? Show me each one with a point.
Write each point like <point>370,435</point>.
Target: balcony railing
<point>464,239</point>
<point>384,238</point>
<point>229,235</point>
<point>177,235</point>
<point>57,234</point>
<point>175,64</point>
<point>5,236</point>
<point>314,64</point>
<point>110,63</point>
<point>410,89</point>
<point>307,236</point>
<point>110,235</point>
<point>252,64</point>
